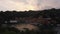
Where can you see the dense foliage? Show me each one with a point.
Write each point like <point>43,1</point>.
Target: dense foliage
<point>54,14</point>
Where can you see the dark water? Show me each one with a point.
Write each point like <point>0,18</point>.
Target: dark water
<point>58,28</point>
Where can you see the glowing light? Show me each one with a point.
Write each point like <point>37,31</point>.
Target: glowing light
<point>30,8</point>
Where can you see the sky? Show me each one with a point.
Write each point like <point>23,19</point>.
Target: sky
<point>22,5</point>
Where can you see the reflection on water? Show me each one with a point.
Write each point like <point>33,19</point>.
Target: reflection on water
<point>58,28</point>
<point>29,26</point>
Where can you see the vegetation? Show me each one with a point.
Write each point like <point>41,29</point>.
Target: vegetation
<point>54,14</point>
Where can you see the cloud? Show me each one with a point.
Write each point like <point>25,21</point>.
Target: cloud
<point>17,5</point>
<point>45,4</point>
<point>11,5</point>
<point>28,4</point>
